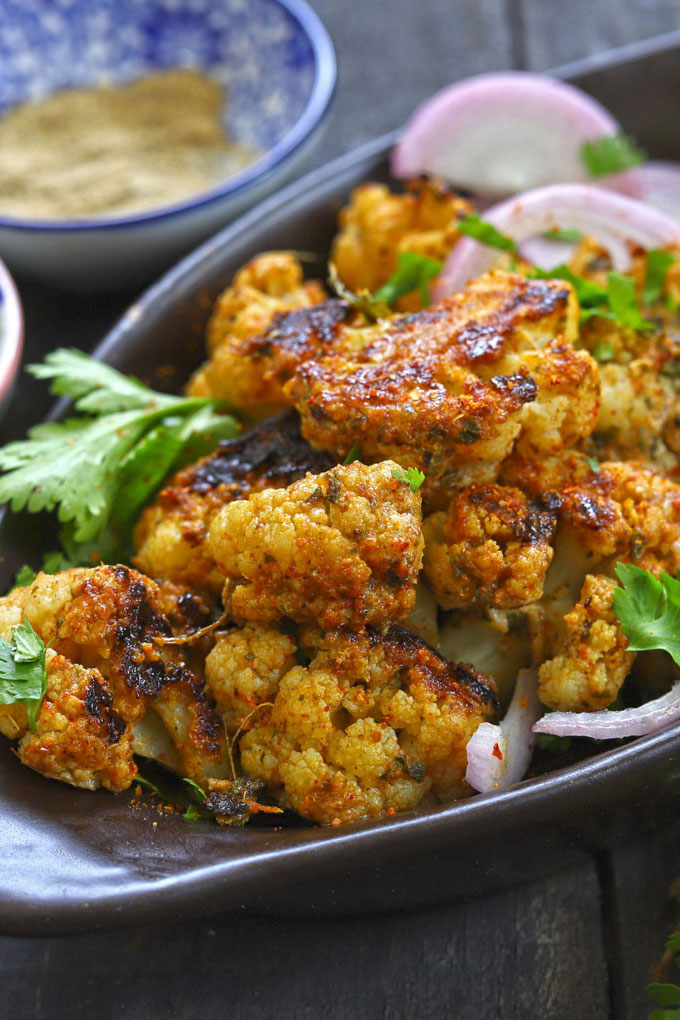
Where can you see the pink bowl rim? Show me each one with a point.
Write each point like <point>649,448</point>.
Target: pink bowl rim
<point>11,332</point>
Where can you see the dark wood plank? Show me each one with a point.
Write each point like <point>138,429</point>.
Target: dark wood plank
<point>637,881</point>
<point>529,952</point>
<point>555,33</point>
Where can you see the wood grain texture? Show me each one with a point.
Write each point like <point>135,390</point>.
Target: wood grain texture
<point>637,881</point>
<point>532,952</point>
<point>555,33</point>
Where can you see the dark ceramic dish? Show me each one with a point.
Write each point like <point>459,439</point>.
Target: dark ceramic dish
<point>74,861</point>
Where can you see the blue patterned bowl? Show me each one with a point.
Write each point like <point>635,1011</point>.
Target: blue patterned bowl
<point>274,57</point>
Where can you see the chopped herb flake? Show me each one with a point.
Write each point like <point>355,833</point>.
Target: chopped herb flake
<point>611,154</point>
<point>413,272</point>
<point>484,232</point>
<point>412,476</point>
<point>658,263</point>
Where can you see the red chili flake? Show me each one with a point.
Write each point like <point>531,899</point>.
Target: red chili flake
<point>497,753</point>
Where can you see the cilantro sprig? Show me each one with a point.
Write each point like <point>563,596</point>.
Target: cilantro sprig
<point>99,469</point>
<point>413,272</point>
<point>412,476</point>
<point>611,154</point>
<point>23,673</point>
<point>618,301</point>
<point>648,609</point>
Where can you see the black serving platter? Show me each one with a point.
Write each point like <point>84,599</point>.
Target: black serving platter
<point>74,861</point>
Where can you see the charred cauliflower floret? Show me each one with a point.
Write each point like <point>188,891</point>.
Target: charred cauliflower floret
<point>79,738</point>
<point>616,509</point>
<point>109,679</point>
<point>593,660</point>
<point>372,725</point>
<point>447,389</point>
<point>378,225</point>
<point>171,535</point>
<point>342,548</point>
<point>268,286</point>
<point>491,548</point>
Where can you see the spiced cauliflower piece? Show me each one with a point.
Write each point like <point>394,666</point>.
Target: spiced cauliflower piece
<point>171,535</point>
<point>594,659</point>
<point>106,670</point>
<point>343,548</point>
<point>261,325</point>
<point>245,667</point>
<point>451,389</point>
<point>372,725</point>
<point>614,508</point>
<point>378,225</point>
<point>265,288</point>
<point>491,548</point>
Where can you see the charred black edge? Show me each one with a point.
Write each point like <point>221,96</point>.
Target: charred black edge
<point>99,704</point>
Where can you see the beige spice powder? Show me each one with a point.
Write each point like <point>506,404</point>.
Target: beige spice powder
<point>110,150</point>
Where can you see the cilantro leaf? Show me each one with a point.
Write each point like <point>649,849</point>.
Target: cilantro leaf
<point>23,675</point>
<point>99,469</point>
<point>658,263</point>
<point>623,302</point>
<point>611,154</point>
<point>664,994</point>
<point>413,272</point>
<point>24,576</point>
<point>26,645</point>
<point>604,351</point>
<point>412,476</point>
<point>193,814</point>
<point>648,609</point>
<point>354,454</point>
<point>485,232</point>
<point>594,465</point>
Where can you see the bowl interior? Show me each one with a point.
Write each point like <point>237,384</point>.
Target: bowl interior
<point>258,49</point>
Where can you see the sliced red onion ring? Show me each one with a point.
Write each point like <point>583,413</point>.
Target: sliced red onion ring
<point>500,755</point>
<point>660,184</point>
<point>498,134</point>
<point>614,221</point>
<point>630,722</point>
<point>547,254</point>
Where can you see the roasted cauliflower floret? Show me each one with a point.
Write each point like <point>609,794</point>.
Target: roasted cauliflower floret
<point>266,287</point>
<point>79,738</point>
<point>446,389</point>
<point>491,548</point>
<point>614,508</point>
<point>245,668</point>
<point>107,661</point>
<point>378,225</point>
<point>371,726</point>
<point>171,534</point>
<point>342,548</point>
<point>593,660</point>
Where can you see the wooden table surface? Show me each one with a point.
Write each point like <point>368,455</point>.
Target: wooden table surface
<point>578,946</point>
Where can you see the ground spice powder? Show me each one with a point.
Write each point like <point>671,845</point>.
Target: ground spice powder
<point>116,149</point>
